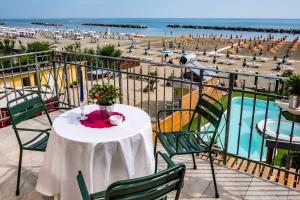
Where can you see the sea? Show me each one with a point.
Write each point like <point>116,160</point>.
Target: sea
<point>157,26</point>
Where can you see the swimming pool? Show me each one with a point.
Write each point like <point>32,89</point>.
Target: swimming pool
<point>256,143</point>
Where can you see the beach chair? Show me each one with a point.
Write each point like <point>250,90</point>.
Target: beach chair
<point>156,186</point>
<point>22,109</point>
<point>209,110</point>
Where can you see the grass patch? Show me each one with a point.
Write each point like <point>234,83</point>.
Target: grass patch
<point>279,155</point>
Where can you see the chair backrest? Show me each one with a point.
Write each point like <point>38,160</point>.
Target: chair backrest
<point>155,186</point>
<point>24,108</point>
<point>209,109</point>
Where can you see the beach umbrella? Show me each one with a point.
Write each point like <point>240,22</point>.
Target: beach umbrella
<point>278,66</point>
<point>245,63</point>
<point>283,59</point>
<point>227,54</point>
<point>260,52</point>
<point>171,44</point>
<point>254,57</point>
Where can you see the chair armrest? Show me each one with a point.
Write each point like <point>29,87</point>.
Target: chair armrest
<point>41,133</point>
<point>33,130</point>
<point>166,159</point>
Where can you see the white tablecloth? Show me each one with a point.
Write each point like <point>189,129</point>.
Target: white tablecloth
<point>104,155</point>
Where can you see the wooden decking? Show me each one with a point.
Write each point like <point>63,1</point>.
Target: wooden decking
<point>259,170</point>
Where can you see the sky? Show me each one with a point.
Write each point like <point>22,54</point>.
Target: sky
<point>150,9</point>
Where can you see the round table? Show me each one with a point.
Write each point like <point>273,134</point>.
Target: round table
<point>104,155</point>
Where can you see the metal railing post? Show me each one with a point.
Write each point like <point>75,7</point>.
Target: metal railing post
<point>228,115</point>
<point>120,81</point>
<point>66,72</point>
<point>200,88</point>
<point>55,77</point>
<point>37,74</point>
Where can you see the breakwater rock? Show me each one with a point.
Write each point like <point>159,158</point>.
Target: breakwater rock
<point>116,25</point>
<point>46,24</point>
<point>247,29</point>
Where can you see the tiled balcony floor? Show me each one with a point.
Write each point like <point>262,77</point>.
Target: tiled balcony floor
<point>232,184</point>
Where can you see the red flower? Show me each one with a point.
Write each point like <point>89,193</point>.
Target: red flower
<point>97,96</point>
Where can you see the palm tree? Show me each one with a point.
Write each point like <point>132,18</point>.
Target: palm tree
<point>8,46</point>
<point>38,46</point>
<point>76,47</point>
<point>109,50</point>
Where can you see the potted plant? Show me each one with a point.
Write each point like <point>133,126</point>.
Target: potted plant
<point>293,86</point>
<point>104,96</point>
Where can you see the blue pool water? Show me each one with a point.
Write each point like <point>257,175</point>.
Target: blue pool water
<point>256,143</point>
<point>285,128</point>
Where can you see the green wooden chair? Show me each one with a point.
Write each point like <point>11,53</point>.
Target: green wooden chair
<point>209,110</point>
<point>21,109</point>
<point>156,186</point>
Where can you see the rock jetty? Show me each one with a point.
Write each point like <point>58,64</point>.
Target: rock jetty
<point>46,24</point>
<point>248,29</point>
<point>116,25</point>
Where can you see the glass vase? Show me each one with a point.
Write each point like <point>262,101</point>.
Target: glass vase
<point>105,111</point>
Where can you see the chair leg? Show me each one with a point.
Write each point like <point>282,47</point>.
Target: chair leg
<point>213,175</point>
<point>19,173</point>
<point>156,162</point>
<point>194,161</point>
<point>155,145</point>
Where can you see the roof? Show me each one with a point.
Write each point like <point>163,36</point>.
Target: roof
<point>195,66</point>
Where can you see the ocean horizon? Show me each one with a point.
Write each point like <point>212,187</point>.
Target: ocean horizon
<point>157,26</point>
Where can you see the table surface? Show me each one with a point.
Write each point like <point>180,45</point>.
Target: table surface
<point>68,125</point>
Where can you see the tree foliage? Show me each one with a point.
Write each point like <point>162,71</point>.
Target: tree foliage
<point>293,84</point>
<point>7,46</point>
<point>75,47</point>
<point>38,46</point>
<point>109,50</point>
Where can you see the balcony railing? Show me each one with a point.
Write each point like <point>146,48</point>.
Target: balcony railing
<point>249,99</point>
